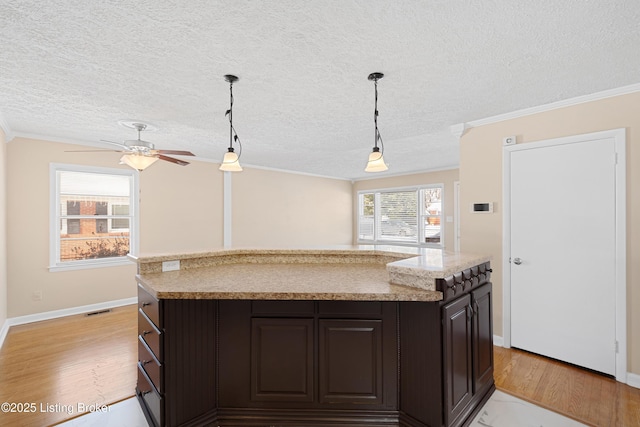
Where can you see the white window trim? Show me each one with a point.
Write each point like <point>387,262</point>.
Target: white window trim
<point>420,214</point>
<point>54,218</point>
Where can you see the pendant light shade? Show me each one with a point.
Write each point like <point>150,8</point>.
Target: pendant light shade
<point>376,160</point>
<point>138,161</point>
<point>231,160</point>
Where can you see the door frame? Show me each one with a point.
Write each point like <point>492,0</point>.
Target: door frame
<point>619,137</point>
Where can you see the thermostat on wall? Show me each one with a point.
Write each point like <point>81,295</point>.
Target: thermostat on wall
<point>484,207</point>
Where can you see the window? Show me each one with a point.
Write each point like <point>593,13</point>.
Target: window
<point>411,216</point>
<point>93,216</point>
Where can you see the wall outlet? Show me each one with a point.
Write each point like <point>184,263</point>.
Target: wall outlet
<point>509,140</point>
<point>171,265</point>
<point>36,296</point>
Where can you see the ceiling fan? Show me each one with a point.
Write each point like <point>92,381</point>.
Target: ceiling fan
<point>141,154</point>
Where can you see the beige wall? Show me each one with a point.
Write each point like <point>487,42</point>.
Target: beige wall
<point>446,177</point>
<point>277,209</point>
<point>180,208</point>
<point>3,229</point>
<point>28,235</point>
<point>481,179</point>
<point>180,211</point>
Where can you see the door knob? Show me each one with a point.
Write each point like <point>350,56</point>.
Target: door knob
<point>517,261</point>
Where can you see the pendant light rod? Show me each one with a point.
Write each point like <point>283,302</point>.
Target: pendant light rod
<point>375,77</point>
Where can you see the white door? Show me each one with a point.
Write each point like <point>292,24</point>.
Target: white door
<point>563,249</point>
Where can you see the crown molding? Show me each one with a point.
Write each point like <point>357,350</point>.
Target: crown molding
<point>459,129</point>
<point>4,125</point>
<point>415,172</point>
<point>624,90</point>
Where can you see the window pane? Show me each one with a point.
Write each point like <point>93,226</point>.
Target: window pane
<point>398,216</point>
<point>432,199</point>
<point>86,216</point>
<point>93,247</point>
<point>366,220</point>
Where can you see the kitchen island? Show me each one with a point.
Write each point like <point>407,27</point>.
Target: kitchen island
<point>343,336</point>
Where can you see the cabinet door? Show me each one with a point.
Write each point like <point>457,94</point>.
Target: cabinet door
<point>282,360</point>
<point>350,361</point>
<point>482,338</point>
<point>458,374</point>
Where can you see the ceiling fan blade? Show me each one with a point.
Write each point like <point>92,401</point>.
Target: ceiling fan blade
<point>176,152</point>
<point>119,144</point>
<point>93,151</point>
<point>173,160</point>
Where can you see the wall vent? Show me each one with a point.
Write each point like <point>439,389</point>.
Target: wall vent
<point>93,313</point>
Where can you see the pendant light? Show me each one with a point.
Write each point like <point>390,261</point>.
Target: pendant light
<point>376,160</point>
<point>231,160</point>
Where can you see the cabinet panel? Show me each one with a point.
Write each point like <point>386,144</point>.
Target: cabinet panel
<point>350,365</point>
<point>282,359</point>
<point>482,338</point>
<point>457,357</point>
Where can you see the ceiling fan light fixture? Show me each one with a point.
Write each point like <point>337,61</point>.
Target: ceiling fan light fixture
<point>376,159</point>
<point>138,161</point>
<point>230,162</point>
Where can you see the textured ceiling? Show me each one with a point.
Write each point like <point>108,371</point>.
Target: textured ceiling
<point>70,70</point>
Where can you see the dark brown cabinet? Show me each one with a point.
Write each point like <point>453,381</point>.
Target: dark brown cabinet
<point>447,387</point>
<point>468,351</point>
<point>318,363</point>
<point>282,360</point>
<point>307,361</point>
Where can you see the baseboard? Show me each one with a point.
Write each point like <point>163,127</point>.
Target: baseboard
<point>498,341</point>
<point>48,315</point>
<point>4,331</point>
<point>633,380</point>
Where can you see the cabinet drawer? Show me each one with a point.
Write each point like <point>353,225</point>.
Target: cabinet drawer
<point>150,397</point>
<point>350,308</point>
<point>150,305</point>
<point>151,335</point>
<point>150,364</point>
<point>296,308</point>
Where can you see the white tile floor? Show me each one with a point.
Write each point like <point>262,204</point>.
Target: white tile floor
<point>122,414</point>
<point>502,410</point>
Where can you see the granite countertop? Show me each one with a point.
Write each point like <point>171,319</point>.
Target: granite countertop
<point>356,282</point>
<point>362,273</point>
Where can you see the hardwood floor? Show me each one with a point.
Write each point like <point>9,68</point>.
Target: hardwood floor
<point>92,359</point>
<point>577,393</point>
<point>68,362</point>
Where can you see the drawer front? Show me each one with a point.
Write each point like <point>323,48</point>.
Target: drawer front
<point>282,308</point>
<point>350,308</point>
<point>151,335</point>
<point>152,400</point>
<point>150,305</point>
<point>150,365</point>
